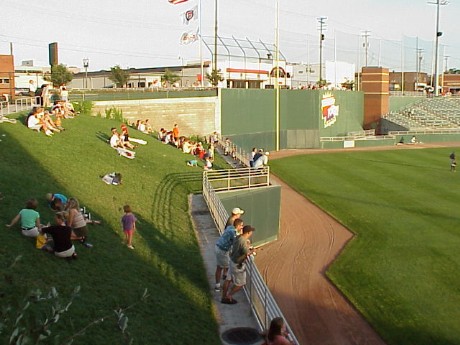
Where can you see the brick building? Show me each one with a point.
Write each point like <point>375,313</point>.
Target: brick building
<point>6,77</point>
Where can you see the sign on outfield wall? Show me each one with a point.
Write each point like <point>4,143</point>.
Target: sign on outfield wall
<point>329,111</point>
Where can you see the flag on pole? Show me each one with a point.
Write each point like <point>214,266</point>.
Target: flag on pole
<point>189,37</point>
<point>190,15</point>
<point>175,2</point>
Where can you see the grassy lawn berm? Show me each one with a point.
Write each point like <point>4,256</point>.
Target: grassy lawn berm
<point>166,260</point>
<point>401,269</point>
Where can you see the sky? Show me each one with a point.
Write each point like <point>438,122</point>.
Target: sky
<point>146,33</point>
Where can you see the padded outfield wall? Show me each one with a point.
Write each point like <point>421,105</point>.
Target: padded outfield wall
<point>262,208</point>
<point>248,117</point>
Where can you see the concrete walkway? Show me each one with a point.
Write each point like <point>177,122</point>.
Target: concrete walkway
<point>228,316</point>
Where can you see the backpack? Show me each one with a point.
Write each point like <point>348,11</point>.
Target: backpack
<point>112,178</point>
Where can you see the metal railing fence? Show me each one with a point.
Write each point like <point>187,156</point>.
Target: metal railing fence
<point>260,298</point>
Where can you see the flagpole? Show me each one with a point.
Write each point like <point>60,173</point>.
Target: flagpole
<point>277,86</point>
<point>201,45</point>
<point>214,67</point>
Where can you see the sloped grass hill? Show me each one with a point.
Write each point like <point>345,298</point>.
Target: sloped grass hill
<point>401,269</point>
<point>166,259</point>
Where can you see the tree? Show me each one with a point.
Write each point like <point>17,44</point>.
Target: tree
<point>214,77</point>
<point>60,75</point>
<point>169,78</point>
<point>453,71</point>
<point>119,76</point>
<point>348,84</point>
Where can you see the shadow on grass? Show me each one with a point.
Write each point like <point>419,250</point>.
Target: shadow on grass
<point>179,310</point>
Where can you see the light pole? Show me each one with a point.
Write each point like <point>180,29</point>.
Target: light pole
<point>86,65</point>
<point>438,34</point>
<point>214,67</point>
<point>366,35</point>
<point>182,71</point>
<point>322,24</point>
<point>419,66</point>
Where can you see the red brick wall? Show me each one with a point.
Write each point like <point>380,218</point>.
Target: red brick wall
<point>375,86</point>
<point>7,75</point>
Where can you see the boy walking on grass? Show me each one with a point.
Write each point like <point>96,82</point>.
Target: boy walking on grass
<point>129,225</point>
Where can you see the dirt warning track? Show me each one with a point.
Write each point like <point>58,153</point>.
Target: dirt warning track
<point>294,268</point>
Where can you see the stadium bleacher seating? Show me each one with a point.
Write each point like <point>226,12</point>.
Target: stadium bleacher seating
<point>432,113</point>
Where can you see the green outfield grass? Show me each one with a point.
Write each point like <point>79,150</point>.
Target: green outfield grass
<point>166,260</point>
<point>401,269</point>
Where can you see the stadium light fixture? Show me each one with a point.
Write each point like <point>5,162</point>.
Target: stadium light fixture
<point>438,3</point>
<point>86,65</point>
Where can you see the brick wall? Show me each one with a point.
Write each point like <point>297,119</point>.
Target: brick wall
<point>7,75</point>
<point>375,86</point>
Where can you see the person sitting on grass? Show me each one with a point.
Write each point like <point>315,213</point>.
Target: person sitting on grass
<point>117,142</point>
<point>207,164</point>
<point>61,234</point>
<point>45,118</point>
<point>141,127</point>
<point>162,134</point>
<point>77,222</point>
<point>34,123</point>
<point>148,127</point>
<point>30,219</point>
<point>56,201</point>
<point>124,137</point>
<point>187,146</point>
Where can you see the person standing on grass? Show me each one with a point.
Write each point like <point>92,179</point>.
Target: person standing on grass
<point>453,162</point>
<point>129,225</point>
<point>175,132</point>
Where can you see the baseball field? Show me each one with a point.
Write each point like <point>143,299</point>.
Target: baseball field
<point>400,269</point>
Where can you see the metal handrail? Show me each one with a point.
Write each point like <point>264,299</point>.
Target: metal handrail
<point>19,104</point>
<point>238,178</point>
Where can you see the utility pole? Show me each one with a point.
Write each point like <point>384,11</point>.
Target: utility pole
<point>322,27</point>
<point>86,65</point>
<point>438,34</point>
<point>419,65</point>
<point>214,67</point>
<point>366,35</point>
<point>446,57</point>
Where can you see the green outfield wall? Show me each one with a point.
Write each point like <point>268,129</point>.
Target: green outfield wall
<point>262,210</point>
<point>248,117</point>
<point>429,137</point>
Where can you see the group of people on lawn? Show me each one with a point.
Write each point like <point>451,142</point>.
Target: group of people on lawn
<point>70,224</point>
<point>40,119</point>
<point>186,145</point>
